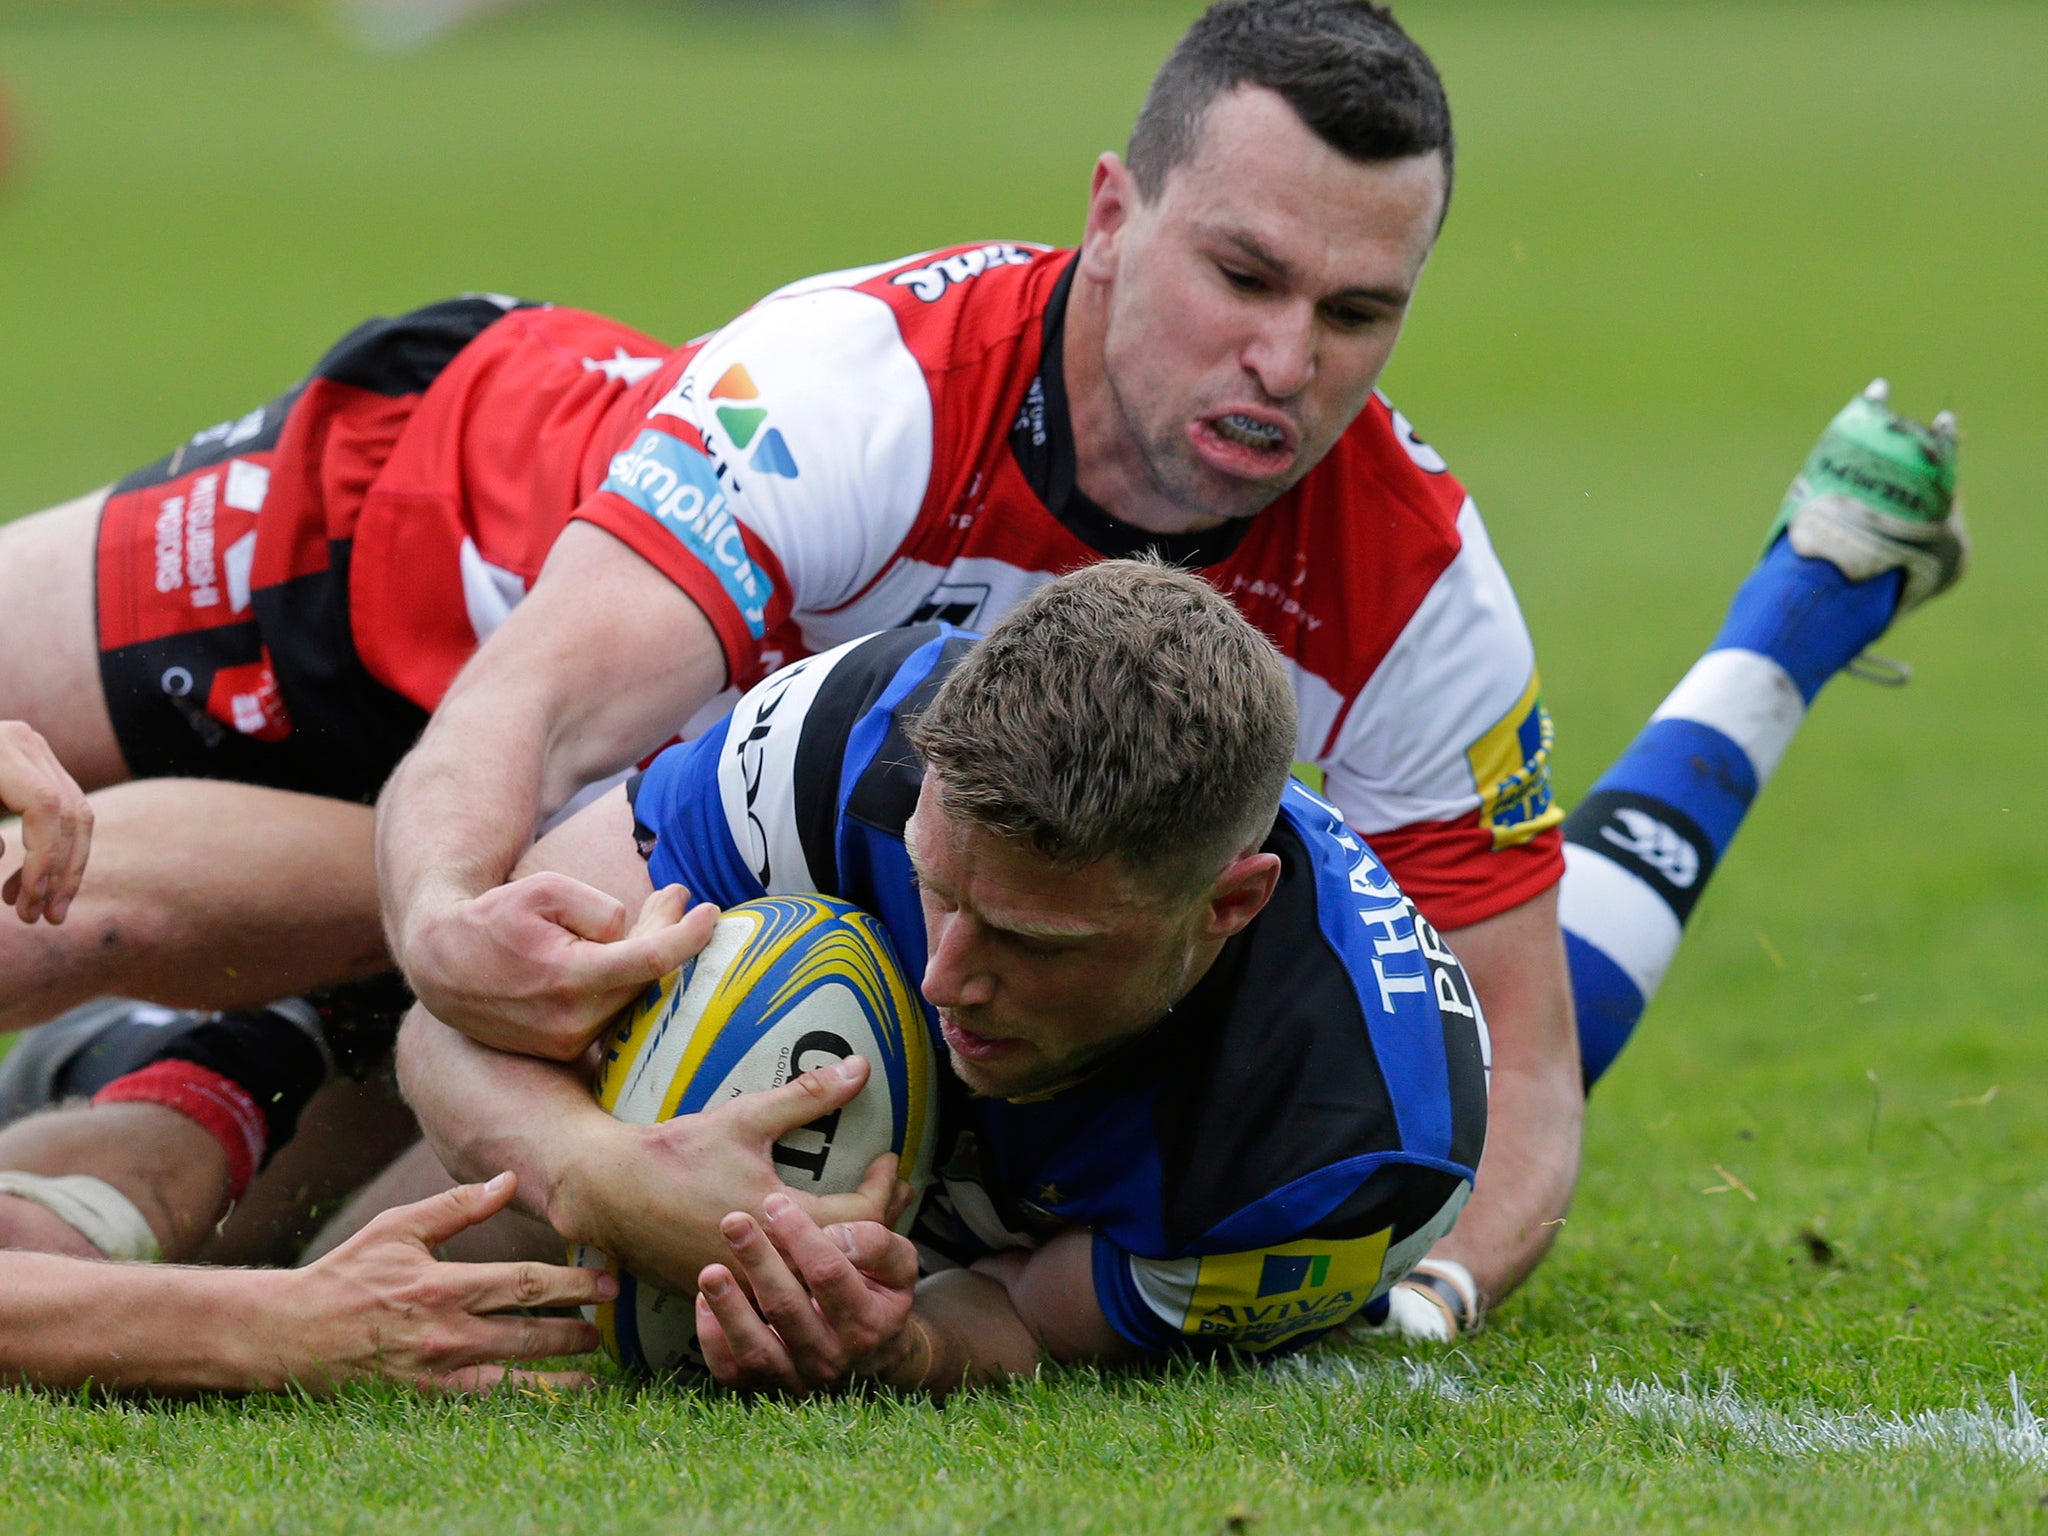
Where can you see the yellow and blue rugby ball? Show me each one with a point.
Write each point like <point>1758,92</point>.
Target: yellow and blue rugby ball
<point>786,984</point>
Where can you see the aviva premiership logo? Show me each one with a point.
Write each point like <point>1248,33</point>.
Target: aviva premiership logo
<point>1261,1300</point>
<point>1511,770</point>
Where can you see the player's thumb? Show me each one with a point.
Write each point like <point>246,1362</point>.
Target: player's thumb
<point>881,1197</point>
<point>437,1218</point>
<point>776,1112</point>
<point>665,938</point>
<point>877,1252</point>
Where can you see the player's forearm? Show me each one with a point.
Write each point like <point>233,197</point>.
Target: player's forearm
<point>1536,1105</point>
<point>461,808</point>
<point>485,1111</point>
<point>1526,1178</point>
<point>64,1322</point>
<point>963,1330</point>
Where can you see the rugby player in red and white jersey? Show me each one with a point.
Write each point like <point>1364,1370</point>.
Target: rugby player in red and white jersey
<point>285,600</point>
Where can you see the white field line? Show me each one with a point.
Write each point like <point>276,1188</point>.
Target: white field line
<point>1983,1432</point>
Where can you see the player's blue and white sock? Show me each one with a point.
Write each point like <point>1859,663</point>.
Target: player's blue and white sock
<point>1643,844</point>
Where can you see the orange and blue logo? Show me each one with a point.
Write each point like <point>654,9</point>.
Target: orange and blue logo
<point>736,404</point>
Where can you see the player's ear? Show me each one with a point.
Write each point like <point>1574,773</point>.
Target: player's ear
<point>1240,893</point>
<point>1110,196</point>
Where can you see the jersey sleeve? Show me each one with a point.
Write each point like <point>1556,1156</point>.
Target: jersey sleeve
<point>781,470</point>
<point>1279,1296</point>
<point>1443,760</point>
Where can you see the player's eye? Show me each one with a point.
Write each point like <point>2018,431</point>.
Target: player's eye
<point>1039,949</point>
<point>1346,317</point>
<point>1243,282</point>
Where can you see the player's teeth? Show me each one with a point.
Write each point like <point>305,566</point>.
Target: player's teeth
<point>1253,434</point>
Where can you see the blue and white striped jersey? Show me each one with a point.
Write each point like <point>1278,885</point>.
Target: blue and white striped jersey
<point>1278,1151</point>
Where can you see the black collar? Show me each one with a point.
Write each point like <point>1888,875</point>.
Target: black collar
<point>1043,441</point>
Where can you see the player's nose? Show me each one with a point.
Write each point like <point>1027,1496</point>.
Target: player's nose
<point>1281,354</point>
<point>952,976</point>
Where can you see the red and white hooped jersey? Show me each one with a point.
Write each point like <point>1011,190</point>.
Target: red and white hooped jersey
<point>888,445</point>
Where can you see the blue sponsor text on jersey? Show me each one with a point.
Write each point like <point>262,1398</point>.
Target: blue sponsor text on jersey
<point>674,483</point>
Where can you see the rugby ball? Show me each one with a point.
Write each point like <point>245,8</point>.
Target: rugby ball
<point>786,984</point>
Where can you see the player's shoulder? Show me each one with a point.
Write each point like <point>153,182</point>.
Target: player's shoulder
<point>1336,1037</point>
<point>950,306</point>
<point>823,740</point>
<point>1381,473</point>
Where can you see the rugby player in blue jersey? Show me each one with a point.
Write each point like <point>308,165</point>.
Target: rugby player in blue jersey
<point>1215,1082</point>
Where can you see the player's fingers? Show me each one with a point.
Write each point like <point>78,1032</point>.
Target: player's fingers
<point>583,909</point>
<point>532,1338</point>
<point>501,1287</point>
<point>661,909</point>
<point>636,960</point>
<point>773,1114</point>
<point>780,1297</point>
<point>901,1194</point>
<point>68,874</point>
<point>833,1285</point>
<point>888,1258</point>
<point>750,1353</point>
<point>53,811</point>
<point>437,1218</point>
<point>55,860</point>
<point>712,1343</point>
<point>874,1200</point>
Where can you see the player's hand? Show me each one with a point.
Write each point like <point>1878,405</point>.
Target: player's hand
<point>56,825</point>
<point>652,1196</point>
<point>818,1303</point>
<point>539,966</point>
<point>381,1305</point>
<point>1436,1304</point>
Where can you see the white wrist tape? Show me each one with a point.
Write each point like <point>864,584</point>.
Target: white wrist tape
<point>1460,1280</point>
<point>104,1216</point>
<point>1415,1314</point>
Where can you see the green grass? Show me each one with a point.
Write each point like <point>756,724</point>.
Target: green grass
<point>1684,234</point>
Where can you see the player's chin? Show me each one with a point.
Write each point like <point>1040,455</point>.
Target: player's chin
<point>992,1080</point>
<point>1210,491</point>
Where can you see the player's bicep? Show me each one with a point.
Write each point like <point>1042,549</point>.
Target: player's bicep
<point>606,656</point>
<point>1053,1291</point>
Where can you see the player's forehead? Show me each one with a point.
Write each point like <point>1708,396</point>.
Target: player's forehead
<point>1011,887</point>
<point>1258,175</point>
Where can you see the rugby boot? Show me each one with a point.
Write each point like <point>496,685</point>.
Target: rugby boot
<point>1877,494</point>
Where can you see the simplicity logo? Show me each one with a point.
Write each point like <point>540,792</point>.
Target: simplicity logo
<point>743,421</point>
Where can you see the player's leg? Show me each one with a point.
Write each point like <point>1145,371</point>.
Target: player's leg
<point>141,1127</point>
<point>1867,533</point>
<point>49,641</point>
<point>202,894</point>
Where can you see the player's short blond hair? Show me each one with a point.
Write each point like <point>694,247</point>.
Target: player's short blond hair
<point>1124,711</point>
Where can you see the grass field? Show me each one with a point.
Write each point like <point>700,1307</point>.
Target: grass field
<point>1803,1287</point>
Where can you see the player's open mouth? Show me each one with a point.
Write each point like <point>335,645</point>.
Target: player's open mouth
<point>977,1047</point>
<point>1253,445</point>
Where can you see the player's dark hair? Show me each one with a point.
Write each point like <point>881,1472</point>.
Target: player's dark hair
<point>1125,711</point>
<point>1360,83</point>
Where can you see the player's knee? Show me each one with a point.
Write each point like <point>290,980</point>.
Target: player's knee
<point>30,1228</point>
